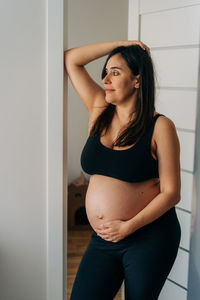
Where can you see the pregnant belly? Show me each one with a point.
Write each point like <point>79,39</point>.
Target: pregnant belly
<point>109,199</point>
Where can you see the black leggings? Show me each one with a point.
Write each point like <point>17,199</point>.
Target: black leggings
<point>143,260</point>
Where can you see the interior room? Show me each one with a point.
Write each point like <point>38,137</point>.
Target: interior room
<point>159,25</point>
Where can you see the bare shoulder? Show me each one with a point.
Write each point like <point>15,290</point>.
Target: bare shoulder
<point>165,132</point>
<point>164,125</point>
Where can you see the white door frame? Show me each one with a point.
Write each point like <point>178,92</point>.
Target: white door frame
<point>56,215</point>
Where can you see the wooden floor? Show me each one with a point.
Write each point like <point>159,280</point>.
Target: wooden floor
<point>77,243</point>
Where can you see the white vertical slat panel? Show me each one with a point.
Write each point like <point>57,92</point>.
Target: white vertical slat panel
<point>179,106</point>
<point>176,25</point>
<point>147,6</point>
<point>186,191</point>
<point>179,271</point>
<point>171,29</point>
<point>176,67</point>
<point>185,220</point>
<point>172,291</point>
<point>187,142</point>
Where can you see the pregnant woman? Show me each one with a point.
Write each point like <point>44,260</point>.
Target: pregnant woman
<point>133,156</point>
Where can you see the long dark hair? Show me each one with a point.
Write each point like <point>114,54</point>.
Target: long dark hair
<point>141,63</point>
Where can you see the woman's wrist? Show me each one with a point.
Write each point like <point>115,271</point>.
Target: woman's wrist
<point>134,42</point>
<point>134,223</point>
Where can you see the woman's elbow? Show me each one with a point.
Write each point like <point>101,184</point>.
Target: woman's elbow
<point>177,198</point>
<point>174,197</point>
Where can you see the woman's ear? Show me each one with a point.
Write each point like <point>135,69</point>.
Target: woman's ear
<point>137,81</point>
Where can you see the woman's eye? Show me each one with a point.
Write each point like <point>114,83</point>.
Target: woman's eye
<point>115,73</point>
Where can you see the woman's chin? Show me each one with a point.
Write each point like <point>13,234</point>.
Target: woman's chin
<point>109,100</point>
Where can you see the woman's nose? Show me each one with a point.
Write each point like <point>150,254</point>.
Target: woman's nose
<point>106,79</point>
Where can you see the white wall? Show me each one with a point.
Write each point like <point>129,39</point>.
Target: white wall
<point>23,150</point>
<point>89,21</point>
<point>172,30</point>
<point>26,161</point>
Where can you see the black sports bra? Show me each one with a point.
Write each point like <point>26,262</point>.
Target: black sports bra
<point>134,164</point>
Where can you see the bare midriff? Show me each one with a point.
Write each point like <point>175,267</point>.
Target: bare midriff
<point>110,199</point>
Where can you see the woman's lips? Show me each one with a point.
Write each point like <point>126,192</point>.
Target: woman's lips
<point>109,90</point>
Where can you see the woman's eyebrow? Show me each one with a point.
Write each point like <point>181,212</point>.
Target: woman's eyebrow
<point>114,68</point>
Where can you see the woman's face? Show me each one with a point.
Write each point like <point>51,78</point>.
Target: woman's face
<point>119,83</point>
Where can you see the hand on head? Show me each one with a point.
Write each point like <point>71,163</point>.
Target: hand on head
<point>139,43</point>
